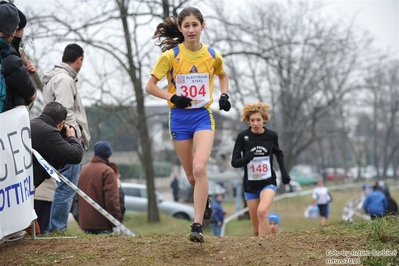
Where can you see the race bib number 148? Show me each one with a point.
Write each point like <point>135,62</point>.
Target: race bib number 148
<point>259,168</point>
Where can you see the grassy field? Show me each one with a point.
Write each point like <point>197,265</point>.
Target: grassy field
<point>375,243</point>
<point>291,211</point>
<point>166,243</point>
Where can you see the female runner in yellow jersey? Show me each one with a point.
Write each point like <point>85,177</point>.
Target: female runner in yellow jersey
<point>190,67</point>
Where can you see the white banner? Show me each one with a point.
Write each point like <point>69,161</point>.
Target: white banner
<point>16,172</point>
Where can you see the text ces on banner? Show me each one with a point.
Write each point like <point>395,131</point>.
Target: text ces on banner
<point>16,172</point>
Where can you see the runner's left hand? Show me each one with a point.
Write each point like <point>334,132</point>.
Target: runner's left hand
<point>286,179</point>
<point>224,103</point>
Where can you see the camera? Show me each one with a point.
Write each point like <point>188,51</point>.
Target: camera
<point>63,131</point>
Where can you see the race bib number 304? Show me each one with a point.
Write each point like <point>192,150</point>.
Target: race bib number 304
<point>259,168</point>
<point>194,86</point>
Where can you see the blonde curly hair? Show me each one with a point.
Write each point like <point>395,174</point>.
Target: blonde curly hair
<point>251,108</point>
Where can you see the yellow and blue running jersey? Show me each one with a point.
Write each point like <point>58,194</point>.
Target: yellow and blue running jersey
<point>190,74</point>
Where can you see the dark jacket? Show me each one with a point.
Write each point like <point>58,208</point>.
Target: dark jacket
<point>99,182</point>
<point>19,85</point>
<point>175,187</point>
<point>265,144</point>
<point>392,208</point>
<point>47,140</point>
<point>122,203</point>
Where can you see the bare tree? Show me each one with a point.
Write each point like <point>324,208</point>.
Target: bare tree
<point>382,83</point>
<point>289,56</point>
<point>116,35</point>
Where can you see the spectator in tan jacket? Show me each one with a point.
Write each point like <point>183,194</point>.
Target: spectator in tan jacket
<point>60,86</point>
<point>99,182</point>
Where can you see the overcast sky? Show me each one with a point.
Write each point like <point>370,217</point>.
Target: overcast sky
<point>379,17</point>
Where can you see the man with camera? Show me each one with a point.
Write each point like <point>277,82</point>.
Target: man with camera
<point>54,140</point>
<point>59,146</point>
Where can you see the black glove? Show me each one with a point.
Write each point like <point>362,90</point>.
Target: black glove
<point>286,179</point>
<point>224,103</point>
<point>249,156</point>
<point>180,101</point>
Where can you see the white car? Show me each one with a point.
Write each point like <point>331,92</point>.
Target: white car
<point>186,190</point>
<point>136,201</point>
<point>293,186</point>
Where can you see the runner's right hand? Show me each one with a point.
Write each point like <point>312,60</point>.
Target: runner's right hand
<point>180,101</point>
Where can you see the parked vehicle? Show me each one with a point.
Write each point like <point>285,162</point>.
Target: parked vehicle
<point>304,175</point>
<point>136,201</point>
<point>332,174</point>
<point>186,190</point>
<point>367,172</point>
<point>293,186</point>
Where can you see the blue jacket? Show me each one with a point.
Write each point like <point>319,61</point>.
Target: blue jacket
<point>375,203</point>
<point>218,212</point>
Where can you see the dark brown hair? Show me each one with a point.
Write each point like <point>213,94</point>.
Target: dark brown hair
<point>168,33</point>
<point>71,53</point>
<point>56,110</point>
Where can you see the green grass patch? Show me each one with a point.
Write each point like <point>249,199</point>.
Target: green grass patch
<point>291,211</point>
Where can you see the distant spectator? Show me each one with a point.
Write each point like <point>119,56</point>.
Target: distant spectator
<point>322,197</point>
<point>366,187</point>
<point>175,188</point>
<point>218,214</point>
<point>99,182</point>
<point>222,163</point>
<point>324,175</point>
<point>375,203</point>
<point>383,187</point>
<point>115,167</point>
<point>274,224</point>
<point>392,208</point>
<point>312,211</point>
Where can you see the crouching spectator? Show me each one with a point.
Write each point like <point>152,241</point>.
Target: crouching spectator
<point>99,181</point>
<point>312,211</point>
<point>274,224</point>
<point>375,203</point>
<point>59,146</point>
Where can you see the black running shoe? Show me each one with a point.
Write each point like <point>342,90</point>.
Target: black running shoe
<point>196,233</point>
<point>208,210</point>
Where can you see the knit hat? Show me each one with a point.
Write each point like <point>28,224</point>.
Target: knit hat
<point>103,149</point>
<point>9,18</point>
<point>22,18</point>
<point>274,217</point>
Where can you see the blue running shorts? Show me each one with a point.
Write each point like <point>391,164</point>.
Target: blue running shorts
<point>183,123</point>
<point>256,195</point>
